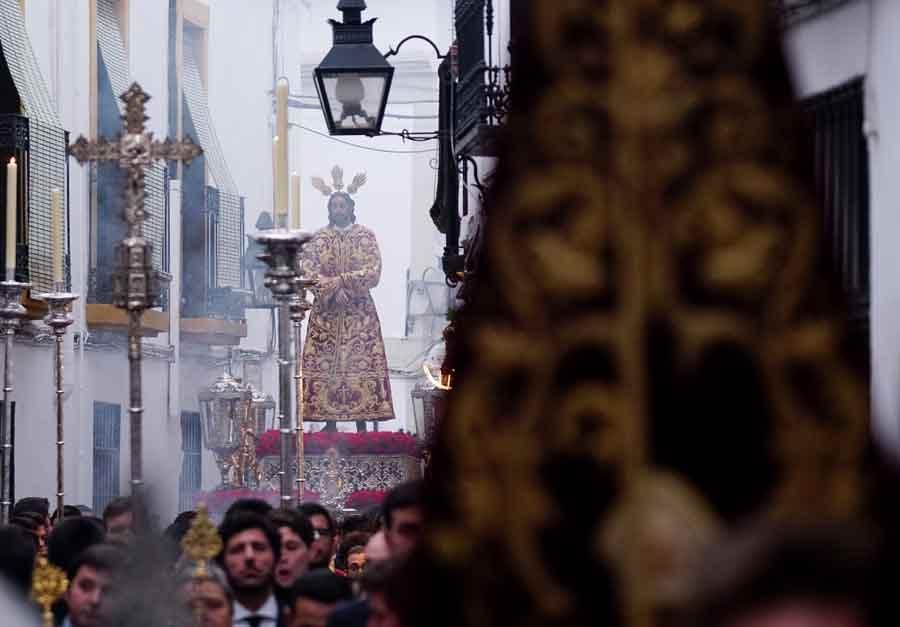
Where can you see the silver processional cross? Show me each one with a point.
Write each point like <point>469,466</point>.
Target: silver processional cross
<point>134,281</point>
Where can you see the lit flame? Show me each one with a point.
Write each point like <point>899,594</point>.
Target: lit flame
<point>444,383</point>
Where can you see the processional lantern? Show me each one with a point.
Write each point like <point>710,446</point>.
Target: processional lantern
<point>354,79</point>
<point>262,411</point>
<point>224,411</point>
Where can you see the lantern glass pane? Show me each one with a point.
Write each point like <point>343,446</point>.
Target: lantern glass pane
<point>354,99</point>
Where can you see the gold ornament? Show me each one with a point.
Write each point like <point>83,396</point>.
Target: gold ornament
<point>202,542</point>
<point>337,179</point>
<point>48,584</point>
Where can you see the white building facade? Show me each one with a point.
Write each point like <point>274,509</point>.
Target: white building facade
<point>183,350</point>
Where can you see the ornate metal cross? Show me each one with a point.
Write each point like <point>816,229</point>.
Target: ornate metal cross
<point>135,283</point>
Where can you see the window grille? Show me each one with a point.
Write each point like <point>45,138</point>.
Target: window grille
<point>192,463</point>
<point>46,163</point>
<point>227,231</point>
<point>841,165</point>
<point>107,439</point>
<point>115,79</point>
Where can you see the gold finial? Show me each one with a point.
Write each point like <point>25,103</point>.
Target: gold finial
<point>202,542</point>
<point>48,584</point>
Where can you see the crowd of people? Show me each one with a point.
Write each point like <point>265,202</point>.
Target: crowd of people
<point>298,567</point>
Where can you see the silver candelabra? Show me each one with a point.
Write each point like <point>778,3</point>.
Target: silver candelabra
<point>282,248</point>
<point>11,314</point>
<point>299,306</point>
<point>58,318</point>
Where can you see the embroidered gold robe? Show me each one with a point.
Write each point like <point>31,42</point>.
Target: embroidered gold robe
<point>345,375</point>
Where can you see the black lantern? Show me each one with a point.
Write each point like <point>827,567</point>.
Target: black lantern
<point>354,79</point>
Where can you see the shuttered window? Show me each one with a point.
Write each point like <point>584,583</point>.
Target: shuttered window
<point>42,142</point>
<point>107,226</point>
<point>107,439</point>
<point>191,466</point>
<point>841,162</point>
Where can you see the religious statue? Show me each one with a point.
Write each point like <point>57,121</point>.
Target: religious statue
<point>345,376</point>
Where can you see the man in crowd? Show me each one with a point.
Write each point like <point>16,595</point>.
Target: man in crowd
<point>90,578</point>
<point>119,519</point>
<point>297,536</point>
<point>404,518</point>
<point>32,513</point>
<point>17,555</point>
<point>71,537</point>
<point>323,545</point>
<point>251,548</point>
<point>315,596</point>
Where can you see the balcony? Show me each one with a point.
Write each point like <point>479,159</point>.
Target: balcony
<point>39,149</point>
<point>483,87</point>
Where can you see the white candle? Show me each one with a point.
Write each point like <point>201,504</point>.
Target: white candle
<point>282,89</point>
<point>12,171</point>
<point>295,191</point>
<point>275,214</point>
<point>57,233</point>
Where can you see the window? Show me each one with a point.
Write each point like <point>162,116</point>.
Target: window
<point>107,439</point>
<point>191,465</point>
<point>841,163</point>
<point>212,208</point>
<point>107,227</point>
<point>31,132</point>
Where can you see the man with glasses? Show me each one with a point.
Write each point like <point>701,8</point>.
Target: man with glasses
<point>322,548</point>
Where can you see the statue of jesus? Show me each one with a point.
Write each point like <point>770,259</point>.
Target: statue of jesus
<point>345,375</point>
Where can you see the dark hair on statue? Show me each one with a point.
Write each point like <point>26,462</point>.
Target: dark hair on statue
<point>350,202</point>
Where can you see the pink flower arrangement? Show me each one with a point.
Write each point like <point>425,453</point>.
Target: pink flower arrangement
<point>364,499</point>
<point>369,443</point>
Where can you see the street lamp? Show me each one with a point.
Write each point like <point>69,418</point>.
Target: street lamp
<point>353,80</point>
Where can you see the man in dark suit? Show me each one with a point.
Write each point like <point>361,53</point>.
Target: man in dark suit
<point>251,548</point>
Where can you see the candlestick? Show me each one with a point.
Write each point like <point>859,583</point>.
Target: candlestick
<point>295,192</point>
<point>282,248</point>
<point>276,215</point>
<point>56,228</point>
<point>12,179</point>
<point>58,318</point>
<point>282,88</point>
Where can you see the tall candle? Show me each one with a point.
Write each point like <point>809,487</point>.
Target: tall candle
<point>282,88</point>
<point>57,234</point>
<point>275,211</point>
<point>12,178</point>
<point>295,191</point>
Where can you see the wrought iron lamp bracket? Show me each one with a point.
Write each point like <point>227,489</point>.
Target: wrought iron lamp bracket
<point>394,51</point>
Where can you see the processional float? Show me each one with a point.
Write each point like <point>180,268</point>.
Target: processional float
<point>232,411</point>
